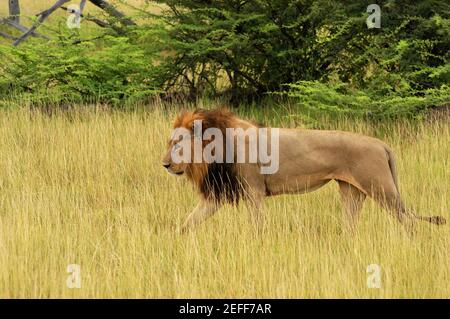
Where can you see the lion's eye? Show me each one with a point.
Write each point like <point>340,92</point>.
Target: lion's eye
<point>176,147</point>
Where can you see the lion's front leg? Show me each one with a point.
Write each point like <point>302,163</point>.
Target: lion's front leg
<point>201,212</point>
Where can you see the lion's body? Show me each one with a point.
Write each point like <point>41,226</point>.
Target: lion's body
<point>308,159</point>
<point>311,158</point>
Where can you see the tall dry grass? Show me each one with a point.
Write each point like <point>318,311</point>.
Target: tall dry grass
<point>88,188</point>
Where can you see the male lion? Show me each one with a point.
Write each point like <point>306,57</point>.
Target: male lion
<point>308,159</point>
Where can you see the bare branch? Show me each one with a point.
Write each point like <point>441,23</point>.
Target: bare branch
<point>7,36</point>
<point>41,19</point>
<point>21,28</point>
<point>102,4</point>
<point>88,40</point>
<point>88,17</point>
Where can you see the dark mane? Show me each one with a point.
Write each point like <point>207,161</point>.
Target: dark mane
<point>219,182</point>
<point>218,118</point>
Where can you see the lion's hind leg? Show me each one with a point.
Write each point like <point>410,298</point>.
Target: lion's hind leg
<point>391,201</point>
<point>352,200</point>
<point>379,183</point>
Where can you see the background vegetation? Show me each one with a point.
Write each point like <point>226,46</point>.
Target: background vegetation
<point>243,51</point>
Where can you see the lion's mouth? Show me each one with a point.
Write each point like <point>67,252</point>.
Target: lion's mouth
<point>175,173</point>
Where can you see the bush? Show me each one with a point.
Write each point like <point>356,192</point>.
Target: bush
<point>258,46</point>
<point>246,49</point>
<point>339,100</point>
<point>62,71</point>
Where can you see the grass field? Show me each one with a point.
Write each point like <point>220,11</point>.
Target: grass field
<point>88,188</point>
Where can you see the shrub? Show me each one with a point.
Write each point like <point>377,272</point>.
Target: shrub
<point>116,71</point>
<point>258,46</point>
<point>316,97</point>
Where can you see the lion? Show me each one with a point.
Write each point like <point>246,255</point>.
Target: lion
<point>362,166</point>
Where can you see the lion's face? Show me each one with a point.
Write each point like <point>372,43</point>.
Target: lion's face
<point>202,137</point>
<point>174,167</point>
<point>183,134</point>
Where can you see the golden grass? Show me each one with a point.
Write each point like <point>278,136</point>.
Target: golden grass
<point>88,188</point>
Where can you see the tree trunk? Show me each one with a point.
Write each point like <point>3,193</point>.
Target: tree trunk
<point>14,10</point>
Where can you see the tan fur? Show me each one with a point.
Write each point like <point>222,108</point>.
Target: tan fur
<point>363,166</point>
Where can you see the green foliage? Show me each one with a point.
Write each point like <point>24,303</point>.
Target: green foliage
<point>62,71</point>
<point>260,45</point>
<point>318,98</point>
<point>242,49</point>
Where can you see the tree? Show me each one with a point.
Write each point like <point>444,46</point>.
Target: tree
<point>260,45</point>
<point>14,17</point>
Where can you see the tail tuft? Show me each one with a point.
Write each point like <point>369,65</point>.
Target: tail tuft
<point>438,220</point>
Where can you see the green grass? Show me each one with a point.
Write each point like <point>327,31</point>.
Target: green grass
<point>87,187</point>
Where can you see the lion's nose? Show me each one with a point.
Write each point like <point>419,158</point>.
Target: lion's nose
<point>166,165</point>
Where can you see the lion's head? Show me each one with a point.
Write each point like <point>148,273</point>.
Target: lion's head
<point>214,180</point>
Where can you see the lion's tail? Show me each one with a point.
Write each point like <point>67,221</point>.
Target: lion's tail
<point>438,220</point>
